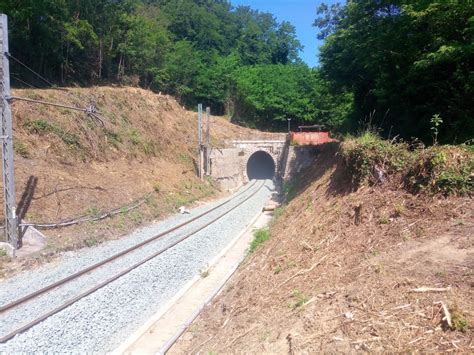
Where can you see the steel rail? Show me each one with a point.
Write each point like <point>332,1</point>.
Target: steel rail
<point>71,277</point>
<point>65,305</point>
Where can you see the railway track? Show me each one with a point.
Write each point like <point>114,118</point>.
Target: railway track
<point>227,206</point>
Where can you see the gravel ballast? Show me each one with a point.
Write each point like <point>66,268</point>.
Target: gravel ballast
<point>101,321</point>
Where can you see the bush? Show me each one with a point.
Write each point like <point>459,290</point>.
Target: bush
<point>371,159</point>
<point>442,169</point>
<point>438,169</point>
<point>21,149</point>
<point>260,236</point>
<point>43,127</point>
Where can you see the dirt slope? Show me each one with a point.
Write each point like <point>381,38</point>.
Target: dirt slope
<point>339,273</point>
<point>68,164</point>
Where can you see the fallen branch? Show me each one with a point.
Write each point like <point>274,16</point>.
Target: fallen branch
<point>241,336</point>
<point>302,272</point>
<point>365,340</point>
<point>430,289</point>
<point>225,322</point>
<point>447,315</point>
<point>87,218</point>
<point>401,307</point>
<point>414,341</point>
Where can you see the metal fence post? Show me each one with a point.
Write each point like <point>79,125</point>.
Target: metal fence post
<point>208,140</point>
<point>200,162</point>
<point>6,131</point>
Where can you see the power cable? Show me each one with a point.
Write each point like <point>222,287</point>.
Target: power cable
<point>24,82</point>
<point>31,70</point>
<point>90,110</point>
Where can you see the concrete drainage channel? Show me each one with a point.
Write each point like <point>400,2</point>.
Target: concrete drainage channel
<point>162,330</point>
<point>100,321</point>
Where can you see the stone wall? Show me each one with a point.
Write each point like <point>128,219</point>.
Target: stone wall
<point>299,157</point>
<point>225,168</point>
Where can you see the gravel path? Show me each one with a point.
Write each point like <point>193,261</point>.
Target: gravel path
<point>101,321</point>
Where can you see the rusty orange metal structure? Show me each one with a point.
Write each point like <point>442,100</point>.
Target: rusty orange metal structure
<point>309,135</point>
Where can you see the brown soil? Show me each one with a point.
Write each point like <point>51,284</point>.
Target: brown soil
<point>339,270</point>
<point>72,165</point>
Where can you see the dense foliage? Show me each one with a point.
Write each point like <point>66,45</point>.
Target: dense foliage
<point>405,67</point>
<point>442,169</point>
<point>404,61</point>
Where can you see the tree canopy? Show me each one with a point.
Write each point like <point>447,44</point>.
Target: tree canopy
<point>393,64</point>
<point>187,48</point>
<point>404,62</point>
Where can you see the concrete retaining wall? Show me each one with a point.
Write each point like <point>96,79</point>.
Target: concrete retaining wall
<point>299,157</point>
<point>225,168</point>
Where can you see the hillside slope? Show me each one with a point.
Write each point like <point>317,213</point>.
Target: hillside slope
<point>68,164</point>
<point>340,274</point>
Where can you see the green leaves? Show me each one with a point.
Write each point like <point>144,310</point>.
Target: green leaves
<point>190,49</point>
<point>269,94</point>
<point>405,61</point>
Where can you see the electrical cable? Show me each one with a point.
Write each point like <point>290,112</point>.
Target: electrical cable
<point>24,82</point>
<point>90,110</point>
<point>31,70</point>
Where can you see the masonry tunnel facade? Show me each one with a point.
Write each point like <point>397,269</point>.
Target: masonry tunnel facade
<point>260,166</point>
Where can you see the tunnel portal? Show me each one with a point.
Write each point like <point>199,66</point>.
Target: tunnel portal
<point>260,166</point>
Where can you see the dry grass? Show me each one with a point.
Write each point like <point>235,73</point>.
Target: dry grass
<point>356,274</point>
<point>147,145</point>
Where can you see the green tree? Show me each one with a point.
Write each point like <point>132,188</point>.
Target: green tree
<point>266,95</point>
<point>182,65</point>
<point>405,61</point>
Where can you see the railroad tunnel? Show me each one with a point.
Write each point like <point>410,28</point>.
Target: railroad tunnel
<point>260,166</point>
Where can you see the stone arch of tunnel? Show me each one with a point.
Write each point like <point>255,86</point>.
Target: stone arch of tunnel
<point>260,166</point>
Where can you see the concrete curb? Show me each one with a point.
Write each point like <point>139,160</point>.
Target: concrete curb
<point>123,348</point>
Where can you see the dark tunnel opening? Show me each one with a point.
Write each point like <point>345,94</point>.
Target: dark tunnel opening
<point>260,166</point>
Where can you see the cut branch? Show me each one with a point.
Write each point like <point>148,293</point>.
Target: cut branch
<point>87,218</point>
<point>430,289</point>
<point>302,272</point>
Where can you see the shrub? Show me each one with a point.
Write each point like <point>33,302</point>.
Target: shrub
<point>135,137</point>
<point>91,242</point>
<point>442,169</point>
<point>43,127</point>
<point>290,189</point>
<point>113,138</point>
<point>39,126</point>
<point>439,169</point>
<point>459,322</point>
<point>260,236</point>
<point>371,159</point>
<point>21,149</point>
<point>300,297</point>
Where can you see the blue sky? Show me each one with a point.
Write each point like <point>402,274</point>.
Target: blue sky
<point>301,13</point>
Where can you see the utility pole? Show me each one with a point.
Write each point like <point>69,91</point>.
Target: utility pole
<point>6,133</point>
<point>208,140</point>
<point>201,160</point>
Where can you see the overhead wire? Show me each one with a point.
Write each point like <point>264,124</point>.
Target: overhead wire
<point>23,82</point>
<point>34,72</point>
<point>89,110</point>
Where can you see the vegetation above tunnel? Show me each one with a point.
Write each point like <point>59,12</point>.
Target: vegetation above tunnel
<point>394,65</point>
